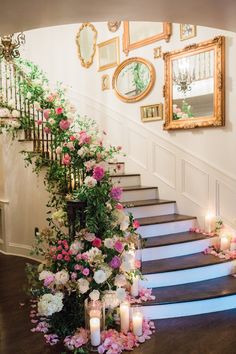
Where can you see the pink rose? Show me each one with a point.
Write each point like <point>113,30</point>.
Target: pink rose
<point>39,121</point>
<point>50,98</point>
<point>59,110</point>
<point>136,224</point>
<point>67,258</point>
<point>84,138</point>
<point>97,242</point>
<point>119,247</point>
<point>116,193</point>
<point>115,262</point>
<point>66,159</point>
<point>47,130</point>
<point>86,272</point>
<point>64,124</point>
<point>59,257</point>
<point>98,173</point>
<point>46,113</point>
<point>72,138</point>
<point>119,206</point>
<point>58,150</point>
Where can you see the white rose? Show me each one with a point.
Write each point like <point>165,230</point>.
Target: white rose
<point>83,285</point>
<point>120,280</point>
<point>100,276</point>
<point>94,295</point>
<point>51,120</point>
<point>90,181</point>
<point>70,145</point>
<point>76,246</point>
<point>109,243</point>
<point>15,124</point>
<point>49,304</point>
<point>62,277</point>
<point>125,223</point>
<point>37,105</point>
<point>44,274</point>
<point>110,299</point>
<point>28,95</point>
<point>15,113</point>
<point>121,294</point>
<point>58,150</point>
<point>93,253</point>
<point>4,113</point>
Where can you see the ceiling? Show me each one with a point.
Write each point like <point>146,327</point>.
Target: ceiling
<point>19,15</point>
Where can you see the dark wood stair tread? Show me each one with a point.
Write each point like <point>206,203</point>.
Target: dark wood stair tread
<point>126,175</point>
<point>202,290</point>
<point>180,263</point>
<point>116,163</point>
<point>133,188</point>
<point>171,239</point>
<point>147,202</point>
<point>160,219</point>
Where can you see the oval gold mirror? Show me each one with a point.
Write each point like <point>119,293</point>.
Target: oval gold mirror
<point>133,79</point>
<point>86,43</point>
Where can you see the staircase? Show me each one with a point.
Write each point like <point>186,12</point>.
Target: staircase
<point>184,280</point>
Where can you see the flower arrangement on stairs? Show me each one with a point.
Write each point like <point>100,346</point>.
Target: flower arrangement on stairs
<point>84,291</point>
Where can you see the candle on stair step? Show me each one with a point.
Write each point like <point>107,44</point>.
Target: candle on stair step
<point>95,331</point>
<point>224,243</point>
<point>135,286</point>
<point>124,316</point>
<point>137,320</point>
<point>209,222</point>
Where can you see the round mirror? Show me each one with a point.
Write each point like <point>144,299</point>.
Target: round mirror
<point>86,43</point>
<point>133,79</point>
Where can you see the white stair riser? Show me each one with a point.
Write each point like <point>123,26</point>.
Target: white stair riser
<point>126,181</point>
<point>139,194</point>
<point>179,249</point>
<point>188,275</point>
<point>190,308</point>
<point>152,210</point>
<point>166,228</point>
<point>116,169</point>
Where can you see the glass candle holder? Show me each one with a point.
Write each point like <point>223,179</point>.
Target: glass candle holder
<point>124,316</point>
<point>94,322</point>
<point>137,320</point>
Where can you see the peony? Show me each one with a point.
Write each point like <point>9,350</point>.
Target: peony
<point>100,276</point>
<point>64,124</point>
<point>49,304</point>
<point>116,193</point>
<point>59,110</point>
<point>115,262</point>
<point>89,165</point>
<point>94,295</point>
<point>66,159</point>
<point>93,254</point>
<point>45,274</point>
<point>46,113</point>
<point>98,173</point>
<point>120,280</point>
<point>76,246</point>
<point>62,277</point>
<point>83,285</point>
<point>47,130</point>
<point>89,236</point>
<point>90,182</point>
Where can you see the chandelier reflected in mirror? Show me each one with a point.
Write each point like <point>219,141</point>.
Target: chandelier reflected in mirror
<point>9,46</point>
<point>183,74</point>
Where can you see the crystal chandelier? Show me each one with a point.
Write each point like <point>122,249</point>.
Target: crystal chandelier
<point>9,46</point>
<point>183,76</point>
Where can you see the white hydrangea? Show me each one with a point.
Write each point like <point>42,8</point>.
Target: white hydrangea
<point>110,299</point>
<point>90,181</point>
<point>62,277</point>
<point>49,304</point>
<point>121,294</point>
<point>100,276</point>
<point>128,260</point>
<point>94,295</point>
<point>83,285</point>
<point>45,274</point>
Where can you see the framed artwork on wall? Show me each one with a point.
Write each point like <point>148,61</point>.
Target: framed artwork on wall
<point>108,54</point>
<point>138,34</point>
<point>113,26</point>
<point>105,82</point>
<point>157,53</point>
<point>151,112</point>
<point>86,44</point>
<point>187,31</point>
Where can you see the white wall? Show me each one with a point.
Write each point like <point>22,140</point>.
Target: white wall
<point>195,167</point>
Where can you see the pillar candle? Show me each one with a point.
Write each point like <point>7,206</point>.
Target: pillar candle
<point>124,316</point>
<point>135,286</point>
<point>95,331</point>
<point>138,324</point>
<point>224,243</point>
<point>209,219</point>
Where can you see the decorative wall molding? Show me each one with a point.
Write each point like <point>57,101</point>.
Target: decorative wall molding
<point>195,184</point>
<point>226,202</point>
<point>164,165</point>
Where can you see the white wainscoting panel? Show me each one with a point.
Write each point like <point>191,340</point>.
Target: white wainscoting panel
<point>226,199</point>
<point>136,151</point>
<point>164,165</point>
<point>195,184</point>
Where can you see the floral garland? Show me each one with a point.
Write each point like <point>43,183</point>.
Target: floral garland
<point>100,259</point>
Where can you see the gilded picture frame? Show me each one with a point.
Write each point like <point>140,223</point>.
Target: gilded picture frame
<point>128,45</point>
<point>86,62</point>
<point>216,47</point>
<point>108,54</point>
<point>187,31</point>
<point>151,112</point>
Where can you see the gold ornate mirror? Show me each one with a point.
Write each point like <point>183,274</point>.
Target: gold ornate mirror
<point>194,86</point>
<point>133,79</point>
<point>86,44</point>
